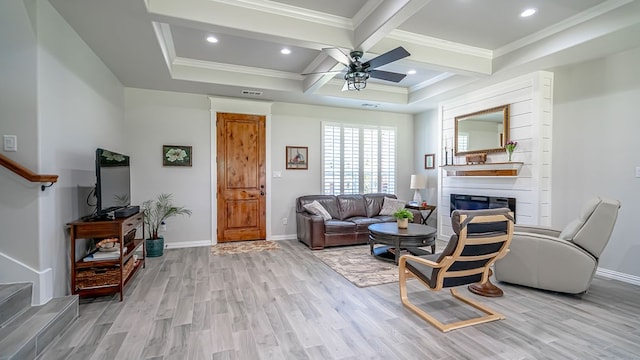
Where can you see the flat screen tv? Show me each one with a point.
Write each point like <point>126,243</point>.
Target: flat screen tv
<point>113,181</point>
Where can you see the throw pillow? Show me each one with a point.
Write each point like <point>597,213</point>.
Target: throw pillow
<point>389,206</point>
<point>317,209</point>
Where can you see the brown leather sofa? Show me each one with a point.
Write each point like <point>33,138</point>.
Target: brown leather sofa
<point>351,216</point>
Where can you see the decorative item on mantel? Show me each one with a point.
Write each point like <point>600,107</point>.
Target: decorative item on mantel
<point>511,147</point>
<point>479,158</point>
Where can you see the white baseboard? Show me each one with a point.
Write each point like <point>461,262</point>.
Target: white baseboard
<point>283,237</point>
<point>610,274</point>
<point>14,271</point>
<point>187,244</point>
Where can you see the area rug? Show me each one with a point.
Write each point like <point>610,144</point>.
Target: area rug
<point>357,265</point>
<point>239,247</point>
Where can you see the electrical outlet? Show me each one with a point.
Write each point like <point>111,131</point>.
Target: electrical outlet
<point>163,226</point>
<point>284,221</point>
<point>638,171</point>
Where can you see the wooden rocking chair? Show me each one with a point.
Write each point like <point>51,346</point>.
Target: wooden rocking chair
<point>481,237</point>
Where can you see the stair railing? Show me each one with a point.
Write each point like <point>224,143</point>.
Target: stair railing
<point>28,174</point>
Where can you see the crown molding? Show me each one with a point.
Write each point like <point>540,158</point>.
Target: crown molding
<point>568,23</point>
<point>423,40</point>
<point>292,11</point>
<point>246,70</point>
<point>429,82</point>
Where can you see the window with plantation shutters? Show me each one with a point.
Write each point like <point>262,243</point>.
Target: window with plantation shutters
<point>358,159</point>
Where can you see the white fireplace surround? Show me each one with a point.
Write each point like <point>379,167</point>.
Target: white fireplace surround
<point>530,122</point>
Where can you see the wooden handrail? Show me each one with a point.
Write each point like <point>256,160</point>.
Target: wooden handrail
<point>26,173</point>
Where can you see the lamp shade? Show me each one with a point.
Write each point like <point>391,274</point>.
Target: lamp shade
<point>418,182</point>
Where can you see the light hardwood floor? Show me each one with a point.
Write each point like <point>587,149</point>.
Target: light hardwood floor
<point>286,304</point>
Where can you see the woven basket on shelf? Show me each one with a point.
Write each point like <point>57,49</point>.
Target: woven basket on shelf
<point>102,276</point>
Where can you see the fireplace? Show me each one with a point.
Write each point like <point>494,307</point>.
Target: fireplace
<point>476,202</point>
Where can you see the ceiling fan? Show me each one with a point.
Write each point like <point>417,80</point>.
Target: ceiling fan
<point>358,72</point>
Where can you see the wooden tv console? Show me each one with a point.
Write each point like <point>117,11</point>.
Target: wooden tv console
<point>102,277</point>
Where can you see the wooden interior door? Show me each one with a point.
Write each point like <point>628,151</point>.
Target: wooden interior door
<point>241,177</point>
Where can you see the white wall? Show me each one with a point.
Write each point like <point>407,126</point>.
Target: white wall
<point>295,124</point>
<point>530,99</point>
<point>426,137</point>
<point>66,104</point>
<point>156,118</point>
<point>18,116</point>
<point>596,148</point>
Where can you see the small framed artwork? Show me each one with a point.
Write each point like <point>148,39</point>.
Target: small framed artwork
<point>176,155</point>
<point>429,161</point>
<point>297,157</point>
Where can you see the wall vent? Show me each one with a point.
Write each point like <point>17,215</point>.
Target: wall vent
<point>252,92</point>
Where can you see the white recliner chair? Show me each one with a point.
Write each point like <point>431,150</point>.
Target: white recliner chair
<point>563,261</point>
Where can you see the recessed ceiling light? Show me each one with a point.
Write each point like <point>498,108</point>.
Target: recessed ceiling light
<point>212,39</point>
<point>285,51</point>
<point>411,72</point>
<point>528,12</point>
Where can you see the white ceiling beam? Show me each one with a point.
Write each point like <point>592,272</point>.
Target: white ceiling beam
<point>304,31</point>
<point>384,19</point>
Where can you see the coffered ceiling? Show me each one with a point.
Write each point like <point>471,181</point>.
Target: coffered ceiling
<point>455,45</point>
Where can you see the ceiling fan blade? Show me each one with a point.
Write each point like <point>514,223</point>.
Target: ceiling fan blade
<point>386,75</point>
<point>390,56</point>
<point>338,55</point>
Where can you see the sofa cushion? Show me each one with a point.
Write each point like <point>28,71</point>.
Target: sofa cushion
<point>385,218</point>
<point>362,223</point>
<point>390,206</point>
<point>373,203</point>
<point>350,206</point>
<point>334,226</point>
<point>315,208</point>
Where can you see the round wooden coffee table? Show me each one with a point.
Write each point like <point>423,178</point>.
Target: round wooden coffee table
<point>392,237</point>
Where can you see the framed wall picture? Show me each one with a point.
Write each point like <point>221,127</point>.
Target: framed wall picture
<point>176,155</point>
<point>430,161</point>
<point>297,157</point>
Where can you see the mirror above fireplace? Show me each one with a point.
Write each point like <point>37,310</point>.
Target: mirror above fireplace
<point>482,131</point>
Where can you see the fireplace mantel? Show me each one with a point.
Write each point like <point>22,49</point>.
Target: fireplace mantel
<point>504,169</point>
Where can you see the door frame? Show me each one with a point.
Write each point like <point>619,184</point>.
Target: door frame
<point>240,106</point>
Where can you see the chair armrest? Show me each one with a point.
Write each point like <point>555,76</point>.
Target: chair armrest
<point>429,263</point>
<point>310,229</point>
<point>533,229</point>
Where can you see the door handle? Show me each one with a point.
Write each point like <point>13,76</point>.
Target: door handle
<point>261,186</point>
<point>262,193</point>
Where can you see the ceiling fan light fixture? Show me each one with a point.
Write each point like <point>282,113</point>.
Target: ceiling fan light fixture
<point>212,39</point>
<point>356,80</point>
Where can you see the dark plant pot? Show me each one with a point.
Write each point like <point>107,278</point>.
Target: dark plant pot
<point>155,247</point>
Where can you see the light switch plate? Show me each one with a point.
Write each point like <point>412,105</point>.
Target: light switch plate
<point>277,174</point>
<point>10,142</point>
<point>638,171</point>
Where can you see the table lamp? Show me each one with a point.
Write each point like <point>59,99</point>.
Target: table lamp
<point>418,182</point>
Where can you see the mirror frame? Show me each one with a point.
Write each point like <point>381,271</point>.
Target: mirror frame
<point>504,109</point>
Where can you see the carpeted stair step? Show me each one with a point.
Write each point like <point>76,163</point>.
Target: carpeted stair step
<point>27,335</point>
<point>14,300</point>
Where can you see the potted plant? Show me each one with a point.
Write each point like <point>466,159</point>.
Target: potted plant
<point>155,213</point>
<point>403,216</point>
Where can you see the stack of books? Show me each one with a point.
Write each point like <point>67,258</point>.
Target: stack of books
<point>104,255</point>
